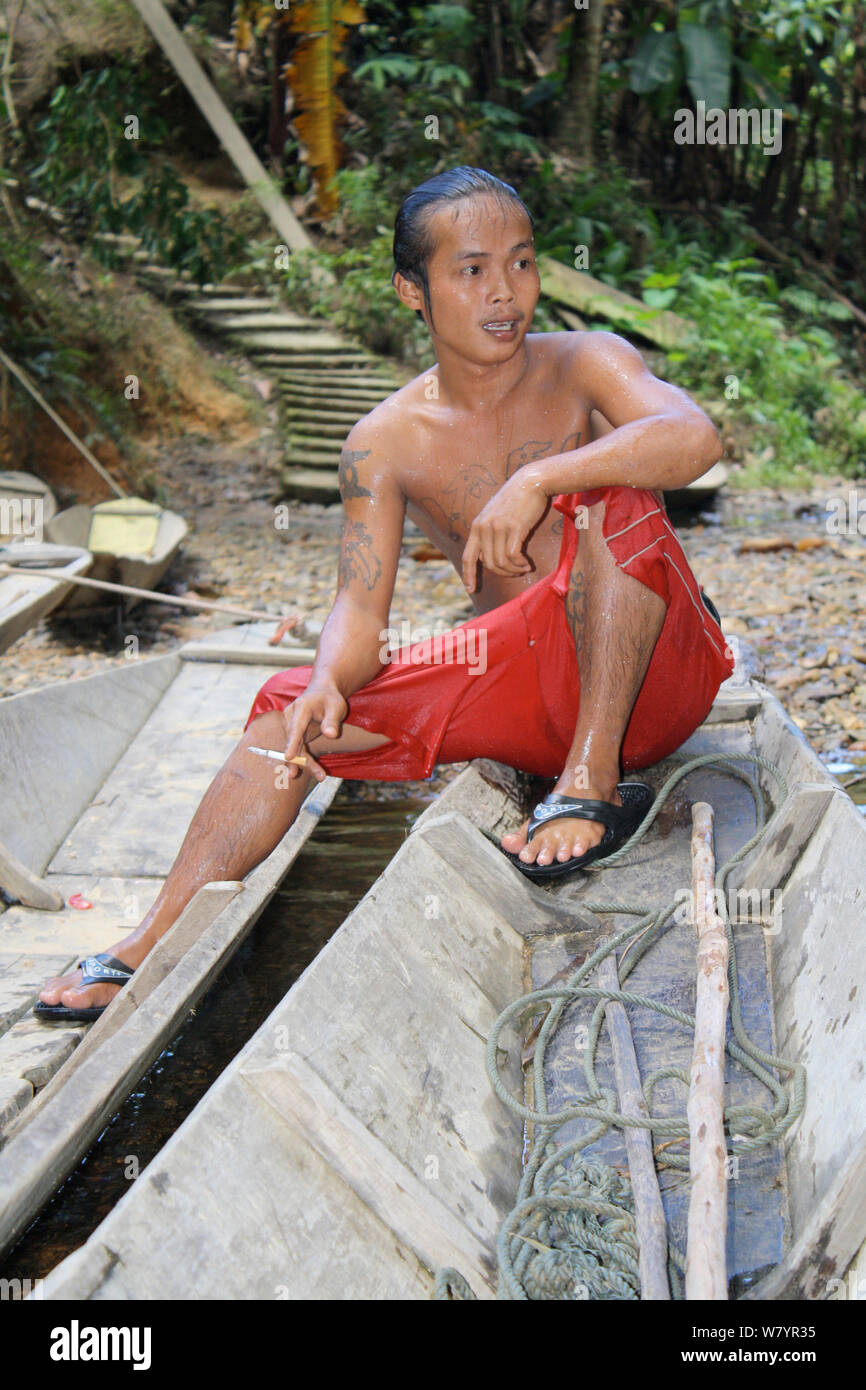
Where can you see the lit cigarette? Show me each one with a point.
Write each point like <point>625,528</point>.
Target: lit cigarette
<point>279,757</point>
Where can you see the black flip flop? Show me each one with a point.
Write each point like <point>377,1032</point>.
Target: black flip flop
<point>620,821</point>
<point>98,970</point>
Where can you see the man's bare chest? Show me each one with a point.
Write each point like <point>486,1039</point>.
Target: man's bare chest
<point>451,479</point>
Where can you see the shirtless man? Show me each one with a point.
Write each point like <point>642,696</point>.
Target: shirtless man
<point>536,463</point>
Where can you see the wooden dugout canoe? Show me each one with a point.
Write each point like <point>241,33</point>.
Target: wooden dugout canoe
<point>25,597</point>
<point>354,1146</point>
<point>100,777</point>
<point>116,556</point>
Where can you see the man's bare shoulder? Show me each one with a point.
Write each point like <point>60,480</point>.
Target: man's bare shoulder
<point>583,348</point>
<point>379,440</point>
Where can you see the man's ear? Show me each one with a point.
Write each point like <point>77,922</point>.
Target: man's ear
<point>408,293</point>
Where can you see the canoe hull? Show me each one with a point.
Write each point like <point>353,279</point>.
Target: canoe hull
<point>72,527</point>
<point>26,598</point>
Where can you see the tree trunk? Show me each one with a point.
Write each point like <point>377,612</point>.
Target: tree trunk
<point>281,43</point>
<point>575,125</point>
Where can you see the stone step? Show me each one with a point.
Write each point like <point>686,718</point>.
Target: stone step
<point>271,321</point>
<point>289,341</point>
<point>230,305</point>
<point>322,399</point>
<point>332,359</point>
<point>317,428</point>
<point>311,484</point>
<point>350,378</point>
<point>299,452</point>
<point>304,396</point>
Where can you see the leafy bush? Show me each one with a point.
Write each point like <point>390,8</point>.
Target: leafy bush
<point>84,164</point>
<point>790,384</point>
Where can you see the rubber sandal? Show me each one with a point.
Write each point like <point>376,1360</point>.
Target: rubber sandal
<point>620,821</point>
<point>98,970</point>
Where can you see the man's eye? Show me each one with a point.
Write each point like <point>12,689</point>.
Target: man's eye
<point>468,268</point>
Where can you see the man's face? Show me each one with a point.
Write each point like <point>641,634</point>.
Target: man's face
<point>483,278</point>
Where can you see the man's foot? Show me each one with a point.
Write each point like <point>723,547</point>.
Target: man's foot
<point>565,838</point>
<point>619,815</point>
<point>66,989</point>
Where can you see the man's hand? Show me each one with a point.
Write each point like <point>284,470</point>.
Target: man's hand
<point>500,530</point>
<point>316,711</point>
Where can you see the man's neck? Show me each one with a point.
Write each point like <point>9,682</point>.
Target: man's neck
<point>471,387</point>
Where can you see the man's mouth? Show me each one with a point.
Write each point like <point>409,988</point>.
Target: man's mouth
<point>501,328</point>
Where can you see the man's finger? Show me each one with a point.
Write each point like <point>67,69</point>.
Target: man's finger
<point>515,551</point>
<point>499,543</point>
<point>314,766</point>
<point>333,720</point>
<point>470,562</point>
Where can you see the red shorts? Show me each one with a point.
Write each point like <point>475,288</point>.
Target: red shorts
<point>505,685</point>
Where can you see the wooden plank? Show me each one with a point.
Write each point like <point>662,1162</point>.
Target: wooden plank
<point>58,744</point>
<point>21,977</point>
<point>404,1203</point>
<point>733,705</point>
<point>652,1231</point>
<point>221,121</point>
<point>779,740</point>
<point>818,988</point>
<point>137,822</point>
<point>26,598</point>
<point>401,967</point>
<point>595,299</point>
<point>768,866</point>
<point>27,887</point>
<point>284,1227</point>
<point>281,657</point>
<point>208,902</point>
<point>817,1261</point>
<point>49,1143</point>
<point>706,1260</point>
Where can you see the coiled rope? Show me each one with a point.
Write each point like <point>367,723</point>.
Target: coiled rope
<point>571,1233</point>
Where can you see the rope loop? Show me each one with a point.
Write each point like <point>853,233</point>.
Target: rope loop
<point>571,1232</point>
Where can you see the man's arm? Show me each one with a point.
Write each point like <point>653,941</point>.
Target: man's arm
<point>660,437</point>
<point>348,654</point>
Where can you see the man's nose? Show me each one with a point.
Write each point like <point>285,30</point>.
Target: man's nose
<point>502,289</point>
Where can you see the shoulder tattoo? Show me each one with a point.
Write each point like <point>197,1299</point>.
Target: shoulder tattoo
<point>348,474</point>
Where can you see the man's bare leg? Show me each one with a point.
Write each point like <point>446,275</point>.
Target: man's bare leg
<point>241,818</point>
<point>616,622</point>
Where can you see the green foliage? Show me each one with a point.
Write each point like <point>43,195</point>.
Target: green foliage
<point>804,414</point>
<point>106,182</point>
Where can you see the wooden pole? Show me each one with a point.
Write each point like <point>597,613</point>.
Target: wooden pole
<point>706,1269</point>
<point>174,601</point>
<point>82,448</point>
<point>652,1231</point>
<point>221,121</point>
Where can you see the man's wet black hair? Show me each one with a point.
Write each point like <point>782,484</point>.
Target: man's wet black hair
<point>413,243</point>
